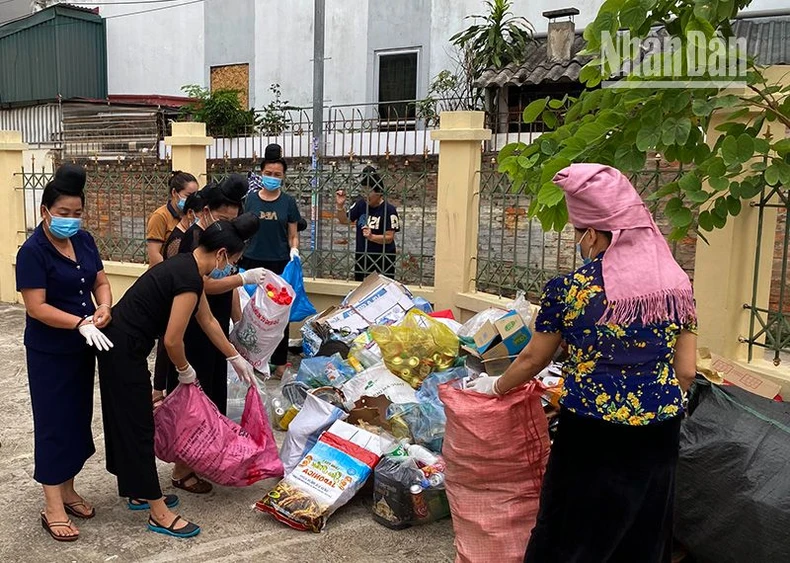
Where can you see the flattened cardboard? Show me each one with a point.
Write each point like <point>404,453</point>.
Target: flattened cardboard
<point>745,378</point>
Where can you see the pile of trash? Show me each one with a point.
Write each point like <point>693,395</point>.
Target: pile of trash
<point>374,409</point>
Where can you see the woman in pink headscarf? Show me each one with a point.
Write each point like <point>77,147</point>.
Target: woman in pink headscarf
<point>628,318</point>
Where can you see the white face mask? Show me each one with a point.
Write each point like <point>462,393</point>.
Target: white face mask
<point>581,253</point>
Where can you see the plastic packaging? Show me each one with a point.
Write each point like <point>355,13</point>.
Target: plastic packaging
<point>378,381</point>
<point>417,347</point>
<point>263,321</point>
<point>522,307</point>
<point>237,395</point>
<point>190,429</point>
<point>470,327</point>
<point>364,352</point>
<point>422,305</point>
<point>315,416</point>
<point>301,308</point>
<point>321,371</point>
<point>326,478</point>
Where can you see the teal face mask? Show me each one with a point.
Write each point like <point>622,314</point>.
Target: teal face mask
<point>271,183</point>
<point>64,227</point>
<point>219,273</point>
<point>579,250</point>
<point>181,203</point>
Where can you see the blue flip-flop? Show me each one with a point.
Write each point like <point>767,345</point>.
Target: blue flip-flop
<point>188,531</point>
<point>134,504</point>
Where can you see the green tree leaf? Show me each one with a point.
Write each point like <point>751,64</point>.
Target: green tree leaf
<point>533,110</point>
<point>729,150</point>
<point>745,148</point>
<point>629,159</point>
<point>705,221</point>
<point>702,108</point>
<point>510,149</point>
<point>719,183</point>
<point>681,218</point>
<point>675,131</point>
<point>690,182</point>
<point>771,175</point>
<point>647,138</point>
<point>664,191</point>
<point>700,196</point>
<point>733,205</point>
<point>550,194</point>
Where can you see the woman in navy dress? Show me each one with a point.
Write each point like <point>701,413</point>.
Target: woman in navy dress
<point>57,270</point>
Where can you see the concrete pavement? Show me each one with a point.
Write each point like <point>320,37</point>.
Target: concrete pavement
<point>232,531</point>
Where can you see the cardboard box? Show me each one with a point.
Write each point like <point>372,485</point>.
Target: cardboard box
<point>497,343</point>
<point>744,378</point>
<point>377,300</point>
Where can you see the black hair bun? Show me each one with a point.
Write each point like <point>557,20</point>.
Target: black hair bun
<point>70,179</point>
<point>246,225</point>
<point>273,152</point>
<point>234,187</point>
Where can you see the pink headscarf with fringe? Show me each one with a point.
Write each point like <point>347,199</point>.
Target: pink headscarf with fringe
<point>642,280</point>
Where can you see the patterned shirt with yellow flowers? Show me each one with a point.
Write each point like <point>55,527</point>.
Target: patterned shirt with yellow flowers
<point>618,373</point>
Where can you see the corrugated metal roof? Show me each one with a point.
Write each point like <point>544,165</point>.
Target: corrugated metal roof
<point>768,41</point>
<point>537,69</point>
<point>76,12</point>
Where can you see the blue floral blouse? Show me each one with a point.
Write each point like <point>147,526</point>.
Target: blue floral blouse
<point>618,373</point>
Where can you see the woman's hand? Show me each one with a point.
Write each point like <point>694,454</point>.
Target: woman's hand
<point>102,316</point>
<point>485,385</point>
<point>367,232</point>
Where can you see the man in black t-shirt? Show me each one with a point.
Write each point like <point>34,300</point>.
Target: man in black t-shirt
<point>376,223</point>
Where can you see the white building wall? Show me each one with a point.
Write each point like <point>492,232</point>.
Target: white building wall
<point>160,51</point>
<point>156,52</point>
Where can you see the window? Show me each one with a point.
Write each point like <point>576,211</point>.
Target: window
<point>397,82</point>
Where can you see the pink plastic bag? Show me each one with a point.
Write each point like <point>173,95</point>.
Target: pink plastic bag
<point>190,429</point>
<point>496,450</point>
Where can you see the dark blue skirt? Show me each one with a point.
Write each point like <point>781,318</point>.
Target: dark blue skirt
<point>61,392</point>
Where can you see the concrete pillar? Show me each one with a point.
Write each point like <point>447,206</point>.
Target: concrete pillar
<point>460,135</point>
<point>12,225</point>
<point>724,271</point>
<point>189,142</point>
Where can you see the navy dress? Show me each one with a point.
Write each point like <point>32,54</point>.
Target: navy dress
<point>60,365</point>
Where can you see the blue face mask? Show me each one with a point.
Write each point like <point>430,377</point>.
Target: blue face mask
<point>579,250</point>
<point>64,227</point>
<point>271,183</point>
<point>219,273</point>
<point>181,203</point>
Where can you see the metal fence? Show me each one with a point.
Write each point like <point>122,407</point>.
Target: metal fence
<point>328,246</point>
<point>769,328</point>
<point>368,130</point>
<point>119,199</point>
<point>515,254</point>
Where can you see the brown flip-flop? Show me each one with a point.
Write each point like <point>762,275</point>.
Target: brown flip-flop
<point>71,509</point>
<point>200,487</point>
<point>47,525</point>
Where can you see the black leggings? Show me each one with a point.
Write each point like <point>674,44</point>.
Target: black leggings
<point>607,494</point>
<point>128,415</point>
<point>280,356</point>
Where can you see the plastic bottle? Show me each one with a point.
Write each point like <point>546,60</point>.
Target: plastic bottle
<point>421,454</point>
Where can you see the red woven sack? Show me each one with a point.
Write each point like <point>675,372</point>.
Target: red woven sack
<point>496,450</point>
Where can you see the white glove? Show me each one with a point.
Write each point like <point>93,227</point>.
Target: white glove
<point>294,253</point>
<point>93,336</point>
<point>485,385</point>
<point>243,369</point>
<point>187,375</point>
<point>254,276</point>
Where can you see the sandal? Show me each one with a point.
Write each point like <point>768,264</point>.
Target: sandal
<point>188,531</point>
<point>47,525</point>
<point>200,487</point>
<point>171,501</point>
<point>71,509</point>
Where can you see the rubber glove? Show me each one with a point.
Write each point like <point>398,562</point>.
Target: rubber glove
<point>243,369</point>
<point>294,253</point>
<point>254,276</point>
<point>187,375</point>
<point>93,336</point>
<point>485,385</point>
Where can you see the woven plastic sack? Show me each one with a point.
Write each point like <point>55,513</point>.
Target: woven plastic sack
<point>496,450</point>
<point>417,347</point>
<point>328,476</point>
<point>190,429</point>
<point>263,321</point>
<point>301,308</point>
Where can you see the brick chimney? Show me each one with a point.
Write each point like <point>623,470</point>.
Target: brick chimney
<point>561,34</point>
